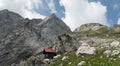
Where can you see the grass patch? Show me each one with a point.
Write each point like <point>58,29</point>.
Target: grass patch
<point>104,33</point>
<point>91,60</point>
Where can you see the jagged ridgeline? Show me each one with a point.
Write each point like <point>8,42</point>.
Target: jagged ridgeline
<point>22,41</point>
<point>21,37</point>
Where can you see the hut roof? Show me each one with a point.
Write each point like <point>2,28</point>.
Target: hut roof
<point>49,50</point>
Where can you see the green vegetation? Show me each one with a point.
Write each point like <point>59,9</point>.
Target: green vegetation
<point>91,60</point>
<point>99,59</point>
<point>104,33</point>
<point>39,53</point>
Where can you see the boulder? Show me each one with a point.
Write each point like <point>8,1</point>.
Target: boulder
<point>57,56</point>
<point>111,52</point>
<point>85,49</point>
<point>65,57</point>
<point>115,52</point>
<point>107,53</point>
<point>115,44</point>
<point>81,63</point>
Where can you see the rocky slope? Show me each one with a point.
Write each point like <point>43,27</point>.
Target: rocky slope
<point>9,21</point>
<point>90,27</point>
<point>21,38</point>
<point>52,26</point>
<point>98,47</point>
<point>22,41</point>
<point>86,48</point>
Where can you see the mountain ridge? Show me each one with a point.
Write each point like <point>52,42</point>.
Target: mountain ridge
<point>23,37</point>
<point>22,41</point>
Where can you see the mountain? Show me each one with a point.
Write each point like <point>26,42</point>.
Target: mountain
<point>22,38</point>
<point>52,26</point>
<point>9,21</point>
<point>82,48</point>
<point>90,27</point>
<point>22,41</point>
<point>116,27</point>
<point>98,45</point>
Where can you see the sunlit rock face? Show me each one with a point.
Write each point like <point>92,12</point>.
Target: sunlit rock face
<point>21,38</point>
<point>90,27</point>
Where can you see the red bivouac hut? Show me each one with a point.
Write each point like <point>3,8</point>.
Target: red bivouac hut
<point>49,53</point>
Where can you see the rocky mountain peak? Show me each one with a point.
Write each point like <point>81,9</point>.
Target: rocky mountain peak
<point>20,38</point>
<point>9,21</point>
<point>9,14</point>
<point>90,27</point>
<point>52,26</point>
<point>116,25</point>
<point>53,15</point>
<point>23,40</point>
<point>5,10</point>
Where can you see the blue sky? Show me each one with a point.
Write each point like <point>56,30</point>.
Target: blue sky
<point>73,13</point>
<point>46,11</point>
<point>113,10</point>
<point>112,14</point>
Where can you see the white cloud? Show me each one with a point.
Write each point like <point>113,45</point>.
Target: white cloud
<point>80,12</point>
<point>118,20</point>
<point>23,7</point>
<point>115,6</point>
<point>51,6</point>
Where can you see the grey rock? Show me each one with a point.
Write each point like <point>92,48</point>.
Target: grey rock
<point>109,53</point>
<point>22,38</point>
<point>81,63</point>
<point>65,43</point>
<point>51,27</point>
<point>85,49</point>
<point>9,21</point>
<point>65,57</point>
<point>115,44</point>
<point>116,27</point>
<point>90,27</point>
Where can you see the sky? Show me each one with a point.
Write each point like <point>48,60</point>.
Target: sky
<point>73,12</point>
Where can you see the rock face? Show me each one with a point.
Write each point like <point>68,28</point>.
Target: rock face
<point>21,38</point>
<point>32,61</point>
<point>65,43</point>
<point>9,21</point>
<point>52,26</point>
<point>89,27</point>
